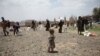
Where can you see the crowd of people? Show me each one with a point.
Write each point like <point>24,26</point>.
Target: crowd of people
<point>5,24</point>
<point>82,25</point>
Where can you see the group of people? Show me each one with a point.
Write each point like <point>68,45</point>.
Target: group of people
<point>5,24</point>
<point>82,24</point>
<point>60,25</point>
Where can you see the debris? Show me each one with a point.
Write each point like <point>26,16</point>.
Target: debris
<point>87,33</point>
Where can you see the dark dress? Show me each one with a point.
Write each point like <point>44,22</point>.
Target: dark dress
<point>80,25</point>
<point>60,26</point>
<point>51,41</point>
<point>47,26</point>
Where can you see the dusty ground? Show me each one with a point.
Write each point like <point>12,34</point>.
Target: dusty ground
<point>34,43</point>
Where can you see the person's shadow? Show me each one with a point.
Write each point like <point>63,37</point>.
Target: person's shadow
<point>53,52</point>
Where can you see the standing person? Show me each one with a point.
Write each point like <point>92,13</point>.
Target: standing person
<point>51,41</point>
<point>47,25</point>
<point>80,25</point>
<point>86,23</point>
<point>16,27</point>
<point>60,26</point>
<point>36,24</point>
<point>5,24</point>
<point>33,25</point>
<point>83,25</point>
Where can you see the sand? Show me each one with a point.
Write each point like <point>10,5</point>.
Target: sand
<point>35,43</point>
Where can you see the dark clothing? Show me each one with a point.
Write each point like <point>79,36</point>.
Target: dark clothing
<point>16,28</point>
<point>60,29</point>
<point>47,26</point>
<point>51,41</point>
<point>34,25</point>
<point>86,23</point>
<point>60,26</point>
<point>80,25</point>
<point>5,24</point>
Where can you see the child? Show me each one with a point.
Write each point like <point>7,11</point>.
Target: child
<point>16,27</point>
<point>51,41</point>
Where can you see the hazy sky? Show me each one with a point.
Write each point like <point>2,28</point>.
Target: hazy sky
<point>42,9</point>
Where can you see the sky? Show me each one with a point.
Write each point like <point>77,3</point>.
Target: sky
<point>17,10</point>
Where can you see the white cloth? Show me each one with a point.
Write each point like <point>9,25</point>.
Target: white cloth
<point>86,33</point>
<point>28,28</point>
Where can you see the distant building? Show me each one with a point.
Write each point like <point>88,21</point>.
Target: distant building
<point>28,23</point>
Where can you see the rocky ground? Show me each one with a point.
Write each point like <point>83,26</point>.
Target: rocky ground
<point>35,43</point>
